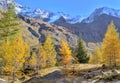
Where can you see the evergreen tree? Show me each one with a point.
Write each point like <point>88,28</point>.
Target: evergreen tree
<point>8,24</point>
<point>111,46</point>
<point>80,52</point>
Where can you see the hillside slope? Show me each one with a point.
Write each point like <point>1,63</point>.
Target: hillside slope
<point>37,30</point>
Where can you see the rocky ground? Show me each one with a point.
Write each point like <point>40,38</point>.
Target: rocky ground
<point>93,75</point>
<point>57,77</point>
<point>79,73</point>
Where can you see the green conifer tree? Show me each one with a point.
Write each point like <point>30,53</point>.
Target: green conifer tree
<point>8,24</point>
<point>80,52</point>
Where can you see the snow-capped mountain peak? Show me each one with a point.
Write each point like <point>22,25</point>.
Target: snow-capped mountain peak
<point>110,11</point>
<point>38,13</point>
<point>41,13</point>
<point>100,11</point>
<point>18,8</point>
<point>49,16</point>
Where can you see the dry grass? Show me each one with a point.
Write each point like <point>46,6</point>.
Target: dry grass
<point>46,71</point>
<point>77,67</point>
<point>80,67</point>
<point>87,66</point>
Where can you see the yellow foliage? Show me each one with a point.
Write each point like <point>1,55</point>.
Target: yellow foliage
<point>8,68</point>
<point>91,59</point>
<point>109,53</point>
<point>111,46</point>
<point>65,53</point>
<point>33,59</point>
<point>42,57</point>
<point>96,57</point>
<point>47,53</point>
<point>15,54</point>
<point>50,52</point>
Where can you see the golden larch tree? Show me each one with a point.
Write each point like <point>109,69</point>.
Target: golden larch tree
<point>50,52</point>
<point>33,59</point>
<point>65,52</point>
<point>111,46</point>
<point>96,57</point>
<point>91,59</point>
<point>15,54</point>
<point>42,58</point>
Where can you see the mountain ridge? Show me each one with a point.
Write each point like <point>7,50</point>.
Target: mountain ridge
<point>91,32</point>
<point>51,17</point>
<point>100,11</point>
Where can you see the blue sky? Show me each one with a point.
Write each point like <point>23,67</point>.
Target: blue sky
<point>72,7</point>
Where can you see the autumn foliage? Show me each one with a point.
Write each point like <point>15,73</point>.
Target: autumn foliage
<point>111,46</point>
<point>15,54</point>
<point>50,52</point>
<point>65,52</point>
<point>109,52</point>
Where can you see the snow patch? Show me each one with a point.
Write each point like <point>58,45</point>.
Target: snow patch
<point>100,11</point>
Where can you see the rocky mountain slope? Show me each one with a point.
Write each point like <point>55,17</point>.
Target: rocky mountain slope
<point>93,27</point>
<point>37,25</point>
<point>92,33</point>
<point>37,30</point>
